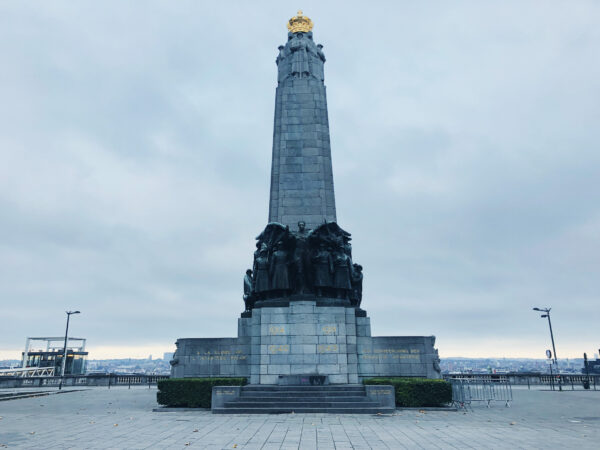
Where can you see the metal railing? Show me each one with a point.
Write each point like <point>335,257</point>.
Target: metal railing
<point>28,372</point>
<point>568,381</point>
<point>107,380</point>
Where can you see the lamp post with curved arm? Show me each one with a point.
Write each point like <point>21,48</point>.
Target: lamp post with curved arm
<point>546,314</point>
<point>64,359</point>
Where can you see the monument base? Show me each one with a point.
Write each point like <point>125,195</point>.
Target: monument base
<point>306,339</point>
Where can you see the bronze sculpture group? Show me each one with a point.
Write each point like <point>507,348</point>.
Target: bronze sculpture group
<point>307,262</point>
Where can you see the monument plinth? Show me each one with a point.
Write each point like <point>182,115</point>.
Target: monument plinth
<point>302,322</point>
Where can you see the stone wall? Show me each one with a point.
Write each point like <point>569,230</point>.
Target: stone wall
<point>305,339</point>
<point>212,357</point>
<point>392,356</point>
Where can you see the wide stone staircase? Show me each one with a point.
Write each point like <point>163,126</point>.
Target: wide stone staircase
<point>270,399</point>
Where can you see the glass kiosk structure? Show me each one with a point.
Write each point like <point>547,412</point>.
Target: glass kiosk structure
<point>50,354</point>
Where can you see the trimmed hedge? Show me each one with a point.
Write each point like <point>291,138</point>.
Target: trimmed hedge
<point>192,392</point>
<point>415,392</point>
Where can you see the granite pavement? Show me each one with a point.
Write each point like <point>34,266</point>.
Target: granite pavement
<point>122,418</point>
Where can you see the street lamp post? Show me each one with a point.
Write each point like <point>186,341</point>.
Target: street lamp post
<point>64,359</point>
<point>546,314</point>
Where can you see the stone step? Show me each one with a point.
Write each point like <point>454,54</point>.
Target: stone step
<point>296,405</point>
<point>302,398</point>
<point>272,388</point>
<point>303,393</point>
<point>270,399</point>
<point>301,410</point>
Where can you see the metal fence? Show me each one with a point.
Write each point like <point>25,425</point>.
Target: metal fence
<point>465,392</point>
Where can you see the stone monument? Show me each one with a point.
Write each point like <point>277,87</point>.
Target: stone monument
<point>302,321</point>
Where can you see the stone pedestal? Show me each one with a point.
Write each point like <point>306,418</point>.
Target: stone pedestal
<point>302,339</point>
<point>276,344</point>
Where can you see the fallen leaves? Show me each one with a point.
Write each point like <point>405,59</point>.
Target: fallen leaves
<point>196,430</point>
<point>187,444</point>
<point>32,432</point>
<point>116,425</point>
<point>513,423</point>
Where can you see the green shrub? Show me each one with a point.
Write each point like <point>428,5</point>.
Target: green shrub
<point>415,392</point>
<point>191,392</point>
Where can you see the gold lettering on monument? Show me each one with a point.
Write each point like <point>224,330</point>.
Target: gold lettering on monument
<point>391,353</point>
<point>221,355</point>
<point>327,348</point>
<point>329,329</point>
<point>276,329</point>
<point>279,349</point>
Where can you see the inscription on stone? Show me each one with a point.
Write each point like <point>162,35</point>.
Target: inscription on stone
<point>392,353</point>
<point>323,348</point>
<point>219,392</point>
<point>223,355</point>
<point>329,330</point>
<point>276,330</point>
<point>279,349</point>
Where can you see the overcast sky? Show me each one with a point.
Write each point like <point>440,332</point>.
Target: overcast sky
<point>135,145</point>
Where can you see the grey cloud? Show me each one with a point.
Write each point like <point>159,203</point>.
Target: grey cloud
<point>135,154</point>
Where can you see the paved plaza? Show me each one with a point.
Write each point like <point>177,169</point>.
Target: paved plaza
<point>123,418</point>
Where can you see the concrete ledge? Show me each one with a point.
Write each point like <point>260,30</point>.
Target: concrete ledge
<point>18,395</point>
<point>223,394</point>
<point>427,408</point>
<point>382,393</point>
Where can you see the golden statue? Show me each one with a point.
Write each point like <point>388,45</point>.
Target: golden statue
<point>300,24</point>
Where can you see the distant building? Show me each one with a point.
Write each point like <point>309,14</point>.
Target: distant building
<point>49,352</point>
<point>593,367</point>
<point>168,356</point>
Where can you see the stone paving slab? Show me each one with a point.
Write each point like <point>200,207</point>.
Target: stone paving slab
<point>121,418</point>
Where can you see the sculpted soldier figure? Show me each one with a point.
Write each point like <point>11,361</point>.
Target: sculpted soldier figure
<point>348,249</point>
<point>278,269</point>
<point>298,46</point>
<point>341,276</point>
<point>248,297</point>
<point>261,273</point>
<point>322,269</point>
<point>357,280</point>
<point>316,59</point>
<point>301,261</point>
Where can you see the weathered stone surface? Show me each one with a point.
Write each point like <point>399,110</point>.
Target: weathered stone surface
<point>301,172</point>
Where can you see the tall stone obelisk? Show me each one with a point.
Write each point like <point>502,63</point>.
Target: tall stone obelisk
<point>303,322</point>
<point>301,174</point>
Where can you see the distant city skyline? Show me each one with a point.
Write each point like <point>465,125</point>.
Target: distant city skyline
<point>135,154</point>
